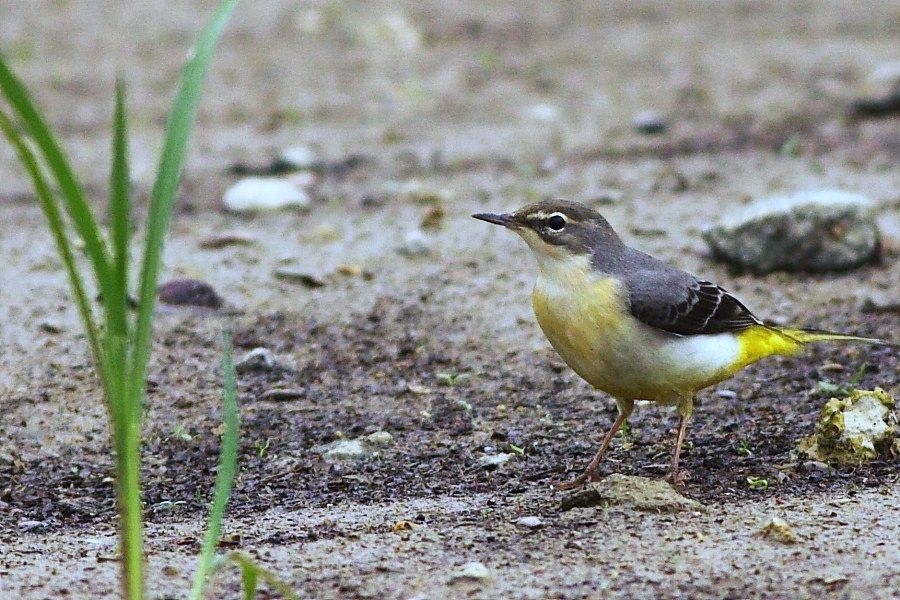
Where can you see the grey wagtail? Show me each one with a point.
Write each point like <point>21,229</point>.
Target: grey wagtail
<point>633,326</point>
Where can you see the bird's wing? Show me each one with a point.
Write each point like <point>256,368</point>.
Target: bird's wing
<point>679,303</point>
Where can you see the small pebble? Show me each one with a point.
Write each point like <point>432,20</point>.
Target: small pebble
<point>817,465</point>
<point>264,193</point>
<point>420,192</point>
<point>189,292</point>
<point>282,394</point>
<point>50,327</point>
<point>354,271</point>
<point>604,196</point>
<point>227,238</point>
<point>433,217</point>
<point>380,439</point>
<point>31,526</point>
<point>530,522</point>
<point>345,450</point>
<point>727,394</point>
<point>649,122</point>
<point>300,158</point>
<point>492,461</point>
<point>372,200</point>
<point>542,113</point>
<point>357,448</point>
<point>258,359</point>
<point>415,244</point>
<point>307,279</point>
<point>325,233</point>
<point>880,304</point>
<point>473,571</point>
<point>777,529</point>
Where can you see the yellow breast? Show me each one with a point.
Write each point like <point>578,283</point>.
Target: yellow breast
<point>587,322</point>
<point>586,318</point>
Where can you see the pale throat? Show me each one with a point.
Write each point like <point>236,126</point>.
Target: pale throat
<point>561,273</point>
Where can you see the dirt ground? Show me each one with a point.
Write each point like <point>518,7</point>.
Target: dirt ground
<point>490,105</point>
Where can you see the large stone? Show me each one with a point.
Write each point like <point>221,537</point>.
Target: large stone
<point>636,493</point>
<point>825,230</point>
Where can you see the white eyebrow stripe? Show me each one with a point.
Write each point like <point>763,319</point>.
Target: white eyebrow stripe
<point>542,215</point>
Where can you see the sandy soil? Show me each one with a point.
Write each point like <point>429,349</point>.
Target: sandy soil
<point>493,105</point>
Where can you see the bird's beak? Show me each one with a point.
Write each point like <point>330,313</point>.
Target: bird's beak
<point>507,220</point>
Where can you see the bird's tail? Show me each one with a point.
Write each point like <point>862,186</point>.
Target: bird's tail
<point>807,336</point>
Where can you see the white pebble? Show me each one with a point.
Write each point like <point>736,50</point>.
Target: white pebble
<point>474,571</point>
<point>415,244</point>
<point>264,193</point>
<point>300,157</point>
<point>530,522</point>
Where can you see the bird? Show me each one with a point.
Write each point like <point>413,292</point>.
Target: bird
<point>635,327</point>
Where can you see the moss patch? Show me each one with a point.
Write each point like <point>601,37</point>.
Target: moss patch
<point>854,429</point>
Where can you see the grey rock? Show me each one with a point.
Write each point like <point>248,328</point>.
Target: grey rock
<point>31,526</point>
<point>379,439</point>
<point>342,450</point>
<point>827,230</point>
<point>635,493</point>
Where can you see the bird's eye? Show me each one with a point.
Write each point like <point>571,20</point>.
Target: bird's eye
<point>556,222</point>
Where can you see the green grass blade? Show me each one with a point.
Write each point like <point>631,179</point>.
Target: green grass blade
<point>119,216</point>
<point>227,467</point>
<point>181,121</point>
<point>272,580</point>
<point>249,581</point>
<point>57,227</point>
<point>73,197</point>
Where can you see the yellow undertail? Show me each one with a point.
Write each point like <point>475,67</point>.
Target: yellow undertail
<point>759,341</point>
<point>806,336</point>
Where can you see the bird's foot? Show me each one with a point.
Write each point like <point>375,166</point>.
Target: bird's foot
<point>588,476</point>
<point>677,478</point>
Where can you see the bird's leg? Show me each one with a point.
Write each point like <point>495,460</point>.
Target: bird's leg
<point>675,477</point>
<point>590,473</point>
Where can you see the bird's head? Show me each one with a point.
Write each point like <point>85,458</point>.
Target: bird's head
<point>557,230</point>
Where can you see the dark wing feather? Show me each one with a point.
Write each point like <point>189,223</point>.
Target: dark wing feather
<point>677,302</point>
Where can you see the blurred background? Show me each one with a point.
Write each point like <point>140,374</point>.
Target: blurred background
<point>380,127</point>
